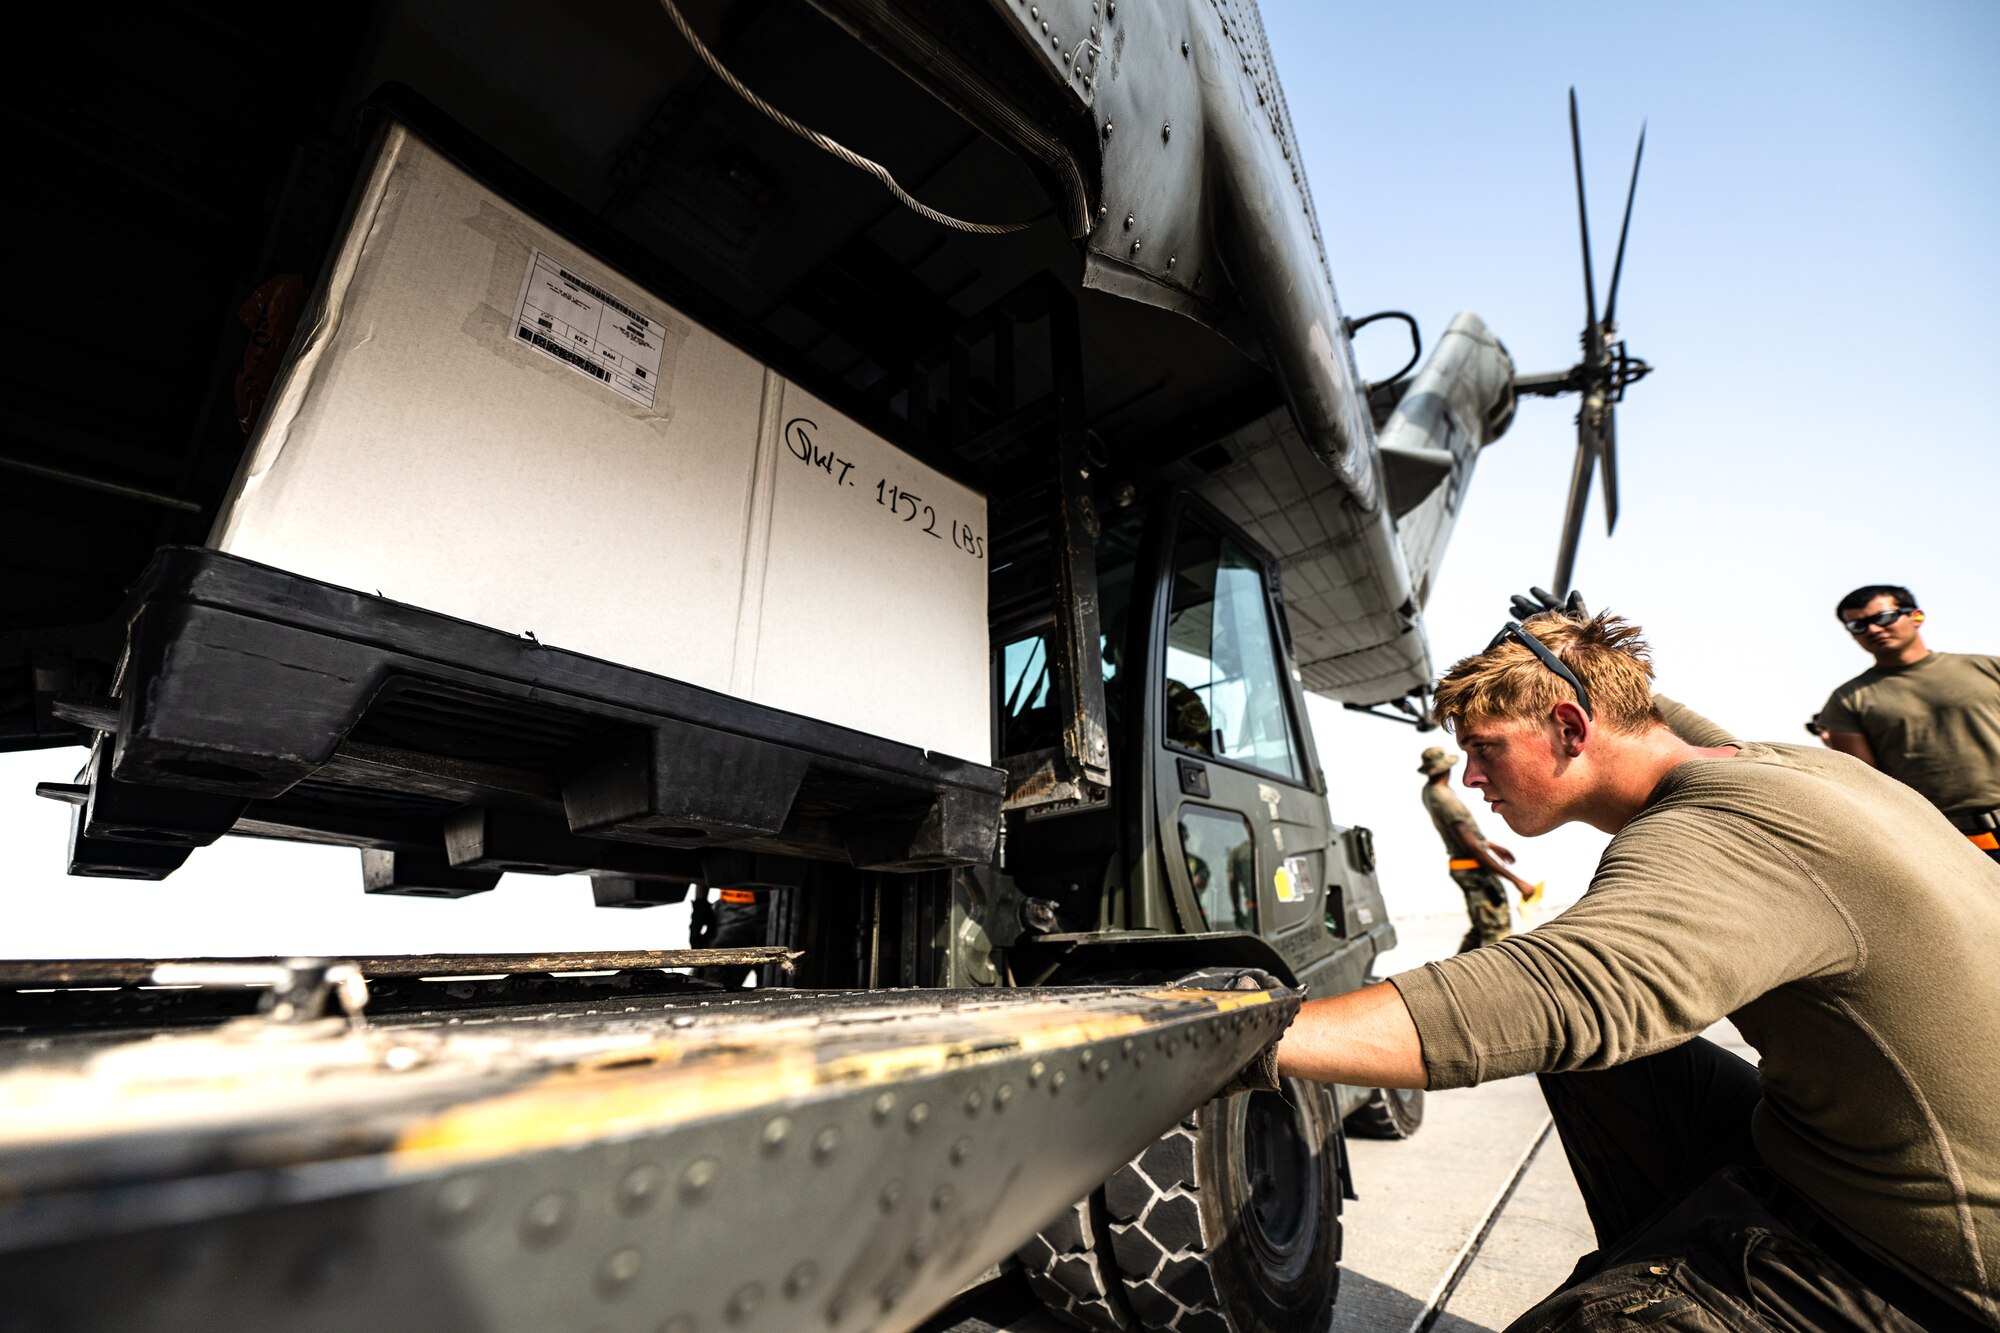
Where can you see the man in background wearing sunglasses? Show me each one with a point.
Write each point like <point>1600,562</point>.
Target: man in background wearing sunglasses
<point>1930,720</point>
<point>1849,1182</point>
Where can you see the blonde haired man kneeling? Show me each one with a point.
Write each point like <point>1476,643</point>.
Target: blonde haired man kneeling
<point>1850,1182</point>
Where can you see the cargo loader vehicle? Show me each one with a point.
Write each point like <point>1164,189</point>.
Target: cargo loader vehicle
<point>902,460</point>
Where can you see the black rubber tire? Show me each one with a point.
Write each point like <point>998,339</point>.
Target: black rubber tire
<point>1069,1268</point>
<point>1389,1113</point>
<point>1231,1222</point>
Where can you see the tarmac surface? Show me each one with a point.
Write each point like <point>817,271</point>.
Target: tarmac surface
<point>1472,1220</point>
<point>1461,1227</point>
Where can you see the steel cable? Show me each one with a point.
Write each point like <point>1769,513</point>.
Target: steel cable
<point>831,146</point>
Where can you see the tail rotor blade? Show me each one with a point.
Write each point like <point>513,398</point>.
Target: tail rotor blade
<point>1618,264</point>
<point>1607,445</point>
<point>1603,374</point>
<point>1582,218</point>
<point>1579,499</point>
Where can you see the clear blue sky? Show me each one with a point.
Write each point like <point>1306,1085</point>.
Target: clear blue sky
<point>1810,271</point>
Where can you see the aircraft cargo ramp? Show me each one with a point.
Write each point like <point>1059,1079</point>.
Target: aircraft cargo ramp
<point>764,1160</point>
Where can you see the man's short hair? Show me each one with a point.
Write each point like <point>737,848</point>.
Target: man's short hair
<point>1509,681</point>
<point>1860,597</point>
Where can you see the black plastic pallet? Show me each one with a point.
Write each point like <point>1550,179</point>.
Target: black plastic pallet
<point>256,701</point>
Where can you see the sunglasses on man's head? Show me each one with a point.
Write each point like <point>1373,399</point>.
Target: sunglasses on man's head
<point>1514,631</point>
<point>1881,619</point>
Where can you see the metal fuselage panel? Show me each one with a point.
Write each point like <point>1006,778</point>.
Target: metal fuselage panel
<point>1196,202</point>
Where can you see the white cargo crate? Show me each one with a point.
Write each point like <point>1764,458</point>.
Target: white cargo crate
<point>480,419</point>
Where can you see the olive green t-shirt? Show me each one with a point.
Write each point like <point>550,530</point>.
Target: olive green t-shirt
<point>1689,725</point>
<point>1446,809</point>
<point>1934,724</point>
<point>1853,937</point>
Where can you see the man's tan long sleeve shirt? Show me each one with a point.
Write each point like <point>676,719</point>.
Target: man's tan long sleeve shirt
<point>1851,934</point>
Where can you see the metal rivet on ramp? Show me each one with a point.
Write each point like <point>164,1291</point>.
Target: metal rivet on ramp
<point>546,1219</point>
<point>458,1203</point>
<point>639,1188</point>
<point>696,1180</point>
<point>744,1303</point>
<point>618,1273</point>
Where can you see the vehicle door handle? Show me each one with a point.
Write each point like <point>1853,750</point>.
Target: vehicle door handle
<point>1194,777</point>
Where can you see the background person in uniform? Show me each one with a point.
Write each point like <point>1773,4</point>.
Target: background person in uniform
<point>740,919</point>
<point>1242,870</point>
<point>1475,863</point>
<point>1198,876</point>
<point>1851,1181</point>
<point>1928,719</point>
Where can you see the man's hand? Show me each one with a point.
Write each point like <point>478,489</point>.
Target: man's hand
<point>1261,1074</point>
<point>1540,601</point>
<point>1227,978</point>
<point>1500,852</point>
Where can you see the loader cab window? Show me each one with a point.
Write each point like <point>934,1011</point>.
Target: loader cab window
<point>1027,701</point>
<point>1224,695</point>
<point>1027,723</point>
<point>1222,865</point>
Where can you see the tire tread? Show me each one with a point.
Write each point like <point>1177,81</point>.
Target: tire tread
<point>1383,1117</point>
<point>1068,1268</point>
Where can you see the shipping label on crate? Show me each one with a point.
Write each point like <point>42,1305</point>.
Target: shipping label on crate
<point>588,329</point>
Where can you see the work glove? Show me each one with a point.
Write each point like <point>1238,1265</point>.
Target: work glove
<point>1261,1074</point>
<point>1540,601</point>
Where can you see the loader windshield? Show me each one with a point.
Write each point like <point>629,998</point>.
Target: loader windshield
<point>1224,696</point>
